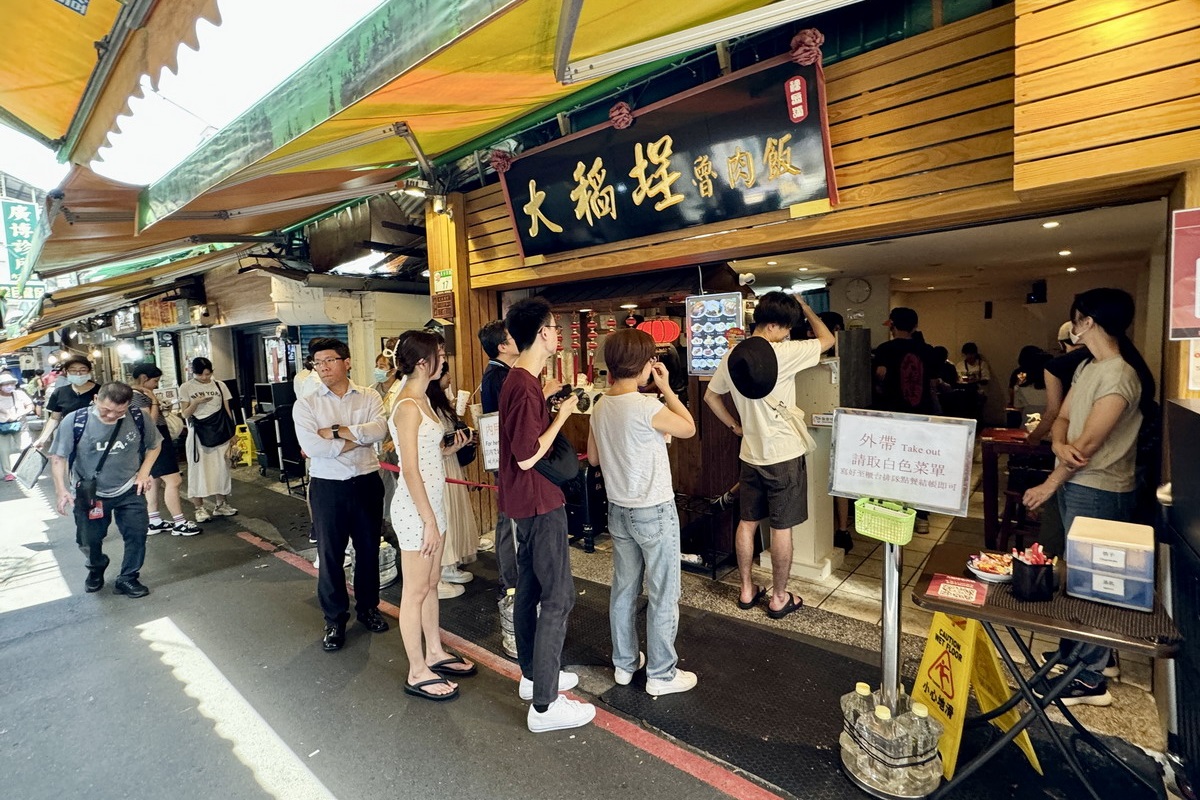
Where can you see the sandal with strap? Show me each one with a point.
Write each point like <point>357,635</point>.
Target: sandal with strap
<point>444,668</point>
<point>793,603</point>
<point>419,690</point>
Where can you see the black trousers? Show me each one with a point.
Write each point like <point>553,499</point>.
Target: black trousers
<point>543,576</point>
<point>129,511</point>
<point>347,511</point>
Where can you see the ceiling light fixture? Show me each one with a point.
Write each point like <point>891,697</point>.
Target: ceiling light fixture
<point>928,287</point>
<point>1064,252</point>
<point>772,263</point>
<point>1050,224</point>
<point>1072,269</point>
<point>803,269</point>
<point>629,305</point>
<point>906,279</point>
<point>769,16</point>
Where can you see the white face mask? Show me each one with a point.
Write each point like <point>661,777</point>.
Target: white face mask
<point>78,380</point>
<point>1074,337</point>
<point>381,375</point>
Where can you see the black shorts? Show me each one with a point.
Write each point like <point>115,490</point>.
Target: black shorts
<point>776,492</point>
<point>167,462</point>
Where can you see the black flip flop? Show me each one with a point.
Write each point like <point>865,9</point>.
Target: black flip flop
<point>418,690</point>
<point>793,603</point>
<point>442,668</point>
<point>762,590</point>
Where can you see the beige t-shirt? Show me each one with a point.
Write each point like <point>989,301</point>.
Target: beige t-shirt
<point>1110,468</point>
<point>768,438</point>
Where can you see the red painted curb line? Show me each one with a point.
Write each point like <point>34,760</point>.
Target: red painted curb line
<point>720,778</point>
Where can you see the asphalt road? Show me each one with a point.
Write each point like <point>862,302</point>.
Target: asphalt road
<point>215,686</point>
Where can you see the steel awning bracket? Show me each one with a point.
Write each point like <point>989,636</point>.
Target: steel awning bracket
<point>568,22</point>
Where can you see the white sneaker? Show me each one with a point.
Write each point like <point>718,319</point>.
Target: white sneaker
<point>185,528</point>
<point>224,510</point>
<point>487,545</point>
<point>453,574</point>
<point>566,682</point>
<point>158,527</point>
<point>563,713</point>
<point>203,515</point>
<point>682,682</point>
<point>622,677</point>
<point>447,591</point>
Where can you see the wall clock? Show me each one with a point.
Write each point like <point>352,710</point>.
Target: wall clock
<point>858,290</point>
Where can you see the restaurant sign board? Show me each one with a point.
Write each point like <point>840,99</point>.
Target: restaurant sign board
<point>921,461</point>
<point>752,142</point>
<point>1185,274</point>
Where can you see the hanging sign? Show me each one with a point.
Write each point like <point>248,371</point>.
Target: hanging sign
<point>489,439</point>
<point>958,657</point>
<point>1185,274</point>
<point>752,142</point>
<point>443,280</point>
<point>16,243</point>
<point>918,460</point>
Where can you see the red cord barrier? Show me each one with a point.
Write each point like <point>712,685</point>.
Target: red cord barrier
<point>396,469</point>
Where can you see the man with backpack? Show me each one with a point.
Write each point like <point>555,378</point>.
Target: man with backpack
<point>101,460</point>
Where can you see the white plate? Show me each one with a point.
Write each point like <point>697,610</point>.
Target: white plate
<point>989,577</point>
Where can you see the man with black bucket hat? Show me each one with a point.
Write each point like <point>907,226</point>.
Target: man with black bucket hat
<point>759,376</point>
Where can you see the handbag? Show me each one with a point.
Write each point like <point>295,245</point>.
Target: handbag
<point>214,430</point>
<point>795,418</point>
<point>174,423</point>
<point>467,453</point>
<point>11,427</point>
<point>561,463</point>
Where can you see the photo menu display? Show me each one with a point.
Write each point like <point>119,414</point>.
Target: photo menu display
<point>710,320</point>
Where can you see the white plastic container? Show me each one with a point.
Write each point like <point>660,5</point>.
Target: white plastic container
<point>1111,562</point>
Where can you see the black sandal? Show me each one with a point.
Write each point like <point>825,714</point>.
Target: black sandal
<point>762,590</point>
<point>793,603</point>
<point>419,690</point>
<point>443,667</point>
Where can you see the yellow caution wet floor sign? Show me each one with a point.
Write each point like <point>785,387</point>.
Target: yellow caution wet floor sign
<point>959,656</point>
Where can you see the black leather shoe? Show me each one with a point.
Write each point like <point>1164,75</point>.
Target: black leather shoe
<point>94,581</point>
<point>373,621</point>
<point>130,587</point>
<point>335,637</point>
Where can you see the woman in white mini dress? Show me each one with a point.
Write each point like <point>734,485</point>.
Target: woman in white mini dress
<point>419,518</point>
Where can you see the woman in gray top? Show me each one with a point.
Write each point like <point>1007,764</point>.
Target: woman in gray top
<point>1095,440</point>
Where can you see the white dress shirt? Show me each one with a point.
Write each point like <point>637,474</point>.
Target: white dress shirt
<point>360,413</point>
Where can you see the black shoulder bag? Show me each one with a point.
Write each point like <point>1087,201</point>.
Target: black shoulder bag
<point>561,463</point>
<point>85,490</point>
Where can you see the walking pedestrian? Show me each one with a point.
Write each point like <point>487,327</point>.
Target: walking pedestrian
<point>166,467</point>
<point>78,392</point>
<point>15,405</point>
<point>539,510</point>
<point>203,401</point>
<point>101,459</point>
<point>419,517</point>
<point>628,440</point>
<point>337,426</point>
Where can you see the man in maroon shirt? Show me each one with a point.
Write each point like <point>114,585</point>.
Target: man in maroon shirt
<point>539,510</point>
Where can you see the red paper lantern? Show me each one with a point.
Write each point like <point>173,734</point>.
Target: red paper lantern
<point>611,323</point>
<point>592,346</point>
<point>664,331</point>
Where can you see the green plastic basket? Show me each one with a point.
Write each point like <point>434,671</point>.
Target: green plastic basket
<point>884,520</point>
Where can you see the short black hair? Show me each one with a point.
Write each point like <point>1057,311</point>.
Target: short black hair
<point>68,363</point>
<point>201,364</point>
<point>491,336</point>
<point>970,349</point>
<point>116,392</point>
<point>903,319</point>
<point>146,368</point>
<point>525,318</point>
<point>779,309</point>
<point>328,343</point>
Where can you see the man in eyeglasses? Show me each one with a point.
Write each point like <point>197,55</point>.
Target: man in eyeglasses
<point>336,426</point>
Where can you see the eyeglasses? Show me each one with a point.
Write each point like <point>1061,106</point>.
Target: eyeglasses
<point>322,362</point>
<point>558,327</point>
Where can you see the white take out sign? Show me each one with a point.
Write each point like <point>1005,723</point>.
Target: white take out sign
<point>921,461</point>
<point>489,439</point>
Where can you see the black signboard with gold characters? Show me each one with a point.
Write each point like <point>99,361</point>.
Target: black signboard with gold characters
<point>749,143</point>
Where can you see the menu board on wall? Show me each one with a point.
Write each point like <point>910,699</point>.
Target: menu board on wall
<point>711,318</point>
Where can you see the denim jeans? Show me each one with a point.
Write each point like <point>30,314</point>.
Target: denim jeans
<point>645,542</point>
<point>1083,501</point>
<point>129,510</point>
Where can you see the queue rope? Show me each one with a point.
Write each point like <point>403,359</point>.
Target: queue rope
<point>469,484</point>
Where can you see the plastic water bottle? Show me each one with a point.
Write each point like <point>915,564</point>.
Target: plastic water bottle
<point>925,734</point>
<point>877,733</point>
<point>903,701</point>
<point>857,703</point>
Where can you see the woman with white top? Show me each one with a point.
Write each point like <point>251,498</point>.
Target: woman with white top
<point>15,405</point>
<point>200,399</point>
<point>628,440</point>
<point>419,518</point>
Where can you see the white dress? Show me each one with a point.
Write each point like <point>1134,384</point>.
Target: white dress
<point>207,467</point>
<point>406,520</point>
<point>462,531</point>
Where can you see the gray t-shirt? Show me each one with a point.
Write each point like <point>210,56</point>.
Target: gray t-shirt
<point>1110,468</point>
<point>123,462</point>
<point>637,473</point>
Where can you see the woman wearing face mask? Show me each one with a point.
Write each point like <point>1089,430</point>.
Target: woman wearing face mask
<point>1095,439</point>
<point>78,393</point>
<point>15,405</point>
<point>419,517</point>
<point>208,467</point>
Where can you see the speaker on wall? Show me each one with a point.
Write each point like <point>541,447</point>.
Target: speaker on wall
<point>1037,293</point>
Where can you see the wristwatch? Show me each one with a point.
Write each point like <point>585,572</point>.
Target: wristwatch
<point>336,431</point>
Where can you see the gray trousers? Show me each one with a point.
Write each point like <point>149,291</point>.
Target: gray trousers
<point>543,576</point>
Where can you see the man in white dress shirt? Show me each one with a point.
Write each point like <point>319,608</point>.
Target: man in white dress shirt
<point>336,426</point>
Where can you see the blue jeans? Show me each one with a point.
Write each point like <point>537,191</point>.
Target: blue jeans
<point>1083,501</point>
<point>645,542</point>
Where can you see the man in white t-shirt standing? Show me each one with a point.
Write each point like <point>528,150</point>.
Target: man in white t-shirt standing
<point>759,375</point>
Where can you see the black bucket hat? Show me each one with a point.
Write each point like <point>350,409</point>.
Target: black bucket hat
<point>754,368</point>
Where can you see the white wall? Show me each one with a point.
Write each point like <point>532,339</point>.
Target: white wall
<point>377,315</point>
<point>950,318</point>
